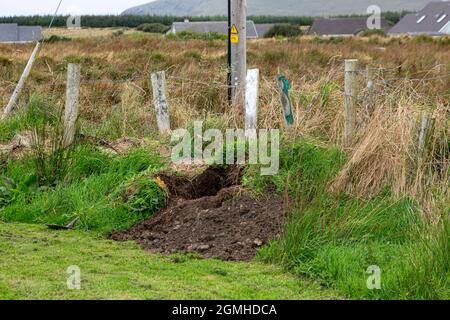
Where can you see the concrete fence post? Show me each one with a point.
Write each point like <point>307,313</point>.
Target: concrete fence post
<point>351,96</point>
<point>160,101</point>
<point>251,99</point>
<point>425,132</point>
<point>18,90</point>
<point>71,111</point>
<point>370,88</point>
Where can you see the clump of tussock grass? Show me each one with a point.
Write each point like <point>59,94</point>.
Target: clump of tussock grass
<point>50,156</point>
<point>386,154</point>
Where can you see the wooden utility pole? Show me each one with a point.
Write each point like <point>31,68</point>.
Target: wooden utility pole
<point>160,101</point>
<point>238,37</point>
<point>229,83</point>
<point>16,94</point>
<point>351,96</point>
<point>71,112</point>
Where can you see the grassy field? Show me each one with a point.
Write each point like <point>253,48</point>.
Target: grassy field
<point>379,201</point>
<point>34,263</point>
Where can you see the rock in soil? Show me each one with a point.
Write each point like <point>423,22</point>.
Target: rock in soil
<point>215,220</point>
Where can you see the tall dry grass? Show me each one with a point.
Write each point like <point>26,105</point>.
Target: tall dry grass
<point>384,153</point>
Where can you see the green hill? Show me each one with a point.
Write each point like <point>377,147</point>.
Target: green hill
<point>271,7</point>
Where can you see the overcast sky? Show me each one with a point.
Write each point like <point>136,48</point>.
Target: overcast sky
<point>30,7</point>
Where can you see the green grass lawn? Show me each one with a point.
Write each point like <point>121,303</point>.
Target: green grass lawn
<point>35,260</point>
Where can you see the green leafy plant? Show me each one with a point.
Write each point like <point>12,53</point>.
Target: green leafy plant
<point>9,189</point>
<point>143,195</point>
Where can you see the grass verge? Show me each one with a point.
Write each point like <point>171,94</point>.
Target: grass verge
<point>35,261</point>
<point>339,239</point>
<point>93,189</point>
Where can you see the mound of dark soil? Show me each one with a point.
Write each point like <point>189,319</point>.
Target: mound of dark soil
<point>211,216</point>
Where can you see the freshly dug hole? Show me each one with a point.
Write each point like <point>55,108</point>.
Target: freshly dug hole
<point>212,216</point>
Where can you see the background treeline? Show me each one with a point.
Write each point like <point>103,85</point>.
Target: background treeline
<point>131,21</point>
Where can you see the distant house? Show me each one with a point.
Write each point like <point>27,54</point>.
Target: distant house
<point>434,19</point>
<point>263,28</point>
<point>13,33</point>
<point>342,27</point>
<point>254,31</point>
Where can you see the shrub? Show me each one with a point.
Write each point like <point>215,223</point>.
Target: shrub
<point>284,30</point>
<point>153,28</point>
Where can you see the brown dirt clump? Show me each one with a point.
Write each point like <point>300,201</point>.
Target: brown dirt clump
<point>210,215</point>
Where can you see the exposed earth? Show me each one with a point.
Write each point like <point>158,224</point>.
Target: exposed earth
<point>210,215</point>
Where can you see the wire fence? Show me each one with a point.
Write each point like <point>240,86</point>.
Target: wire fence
<point>379,79</point>
<point>141,77</point>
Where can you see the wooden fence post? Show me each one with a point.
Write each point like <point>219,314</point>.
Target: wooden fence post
<point>251,99</point>
<point>160,101</point>
<point>238,51</point>
<point>71,112</point>
<point>17,91</point>
<point>351,96</point>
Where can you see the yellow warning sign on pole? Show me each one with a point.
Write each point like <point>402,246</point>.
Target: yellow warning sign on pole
<point>234,34</point>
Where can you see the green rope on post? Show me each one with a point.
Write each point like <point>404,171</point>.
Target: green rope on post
<point>286,100</point>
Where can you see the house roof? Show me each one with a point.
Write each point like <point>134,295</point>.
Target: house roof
<point>338,26</point>
<point>220,27</point>
<point>263,28</point>
<point>30,33</point>
<point>430,20</point>
<point>11,32</point>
